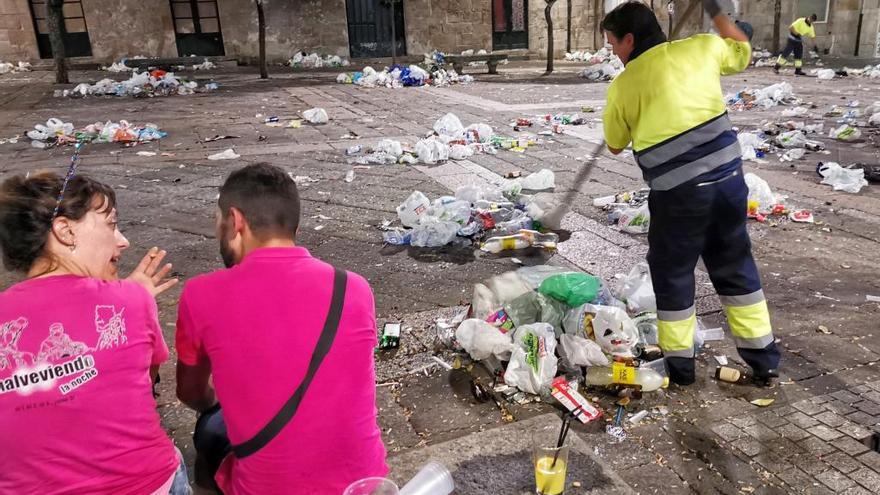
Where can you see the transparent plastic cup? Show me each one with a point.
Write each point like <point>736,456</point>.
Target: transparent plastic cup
<point>372,486</point>
<point>550,461</point>
<point>433,479</point>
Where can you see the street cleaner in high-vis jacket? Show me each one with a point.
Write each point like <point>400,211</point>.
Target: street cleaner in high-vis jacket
<point>795,43</point>
<point>668,103</point>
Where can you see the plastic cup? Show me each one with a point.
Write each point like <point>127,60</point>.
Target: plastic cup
<point>550,462</point>
<point>433,479</point>
<point>372,486</point>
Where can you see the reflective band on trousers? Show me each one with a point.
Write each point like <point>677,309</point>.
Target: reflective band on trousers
<point>696,168</point>
<point>749,320</point>
<point>662,153</point>
<point>675,332</point>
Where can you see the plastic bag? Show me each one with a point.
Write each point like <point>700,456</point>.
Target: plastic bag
<point>479,133</point>
<point>614,331</point>
<point>574,289</point>
<point>842,179</point>
<point>533,361</point>
<point>484,302</point>
<point>450,209</point>
<point>792,139</point>
<point>316,116</point>
<point>539,181</point>
<point>391,147</point>
<point>581,352</point>
<point>481,340</point>
<point>431,151</point>
<point>533,307</point>
<point>825,74</point>
<point>507,287</point>
<point>460,152</point>
<point>537,274</point>
<point>414,207</point>
<point>433,232</point>
<point>637,291</point>
<point>845,133</point>
<point>874,120</point>
<point>635,220</point>
<point>229,154</point>
<point>449,125</point>
<point>761,197</point>
<point>795,112</point>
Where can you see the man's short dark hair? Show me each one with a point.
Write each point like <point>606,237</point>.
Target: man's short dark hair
<point>638,19</point>
<point>267,198</point>
<point>814,17</point>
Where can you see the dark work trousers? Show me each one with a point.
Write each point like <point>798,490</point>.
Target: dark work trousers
<point>707,220</point>
<point>212,446</point>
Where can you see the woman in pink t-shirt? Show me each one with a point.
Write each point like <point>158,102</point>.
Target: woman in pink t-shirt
<point>78,348</point>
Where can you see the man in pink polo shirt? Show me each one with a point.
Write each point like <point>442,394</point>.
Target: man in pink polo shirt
<point>250,331</point>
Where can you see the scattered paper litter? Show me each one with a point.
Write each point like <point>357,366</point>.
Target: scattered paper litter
<point>229,154</point>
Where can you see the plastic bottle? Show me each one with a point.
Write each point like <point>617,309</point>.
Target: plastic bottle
<point>649,379</point>
<point>732,375</point>
<point>520,240</point>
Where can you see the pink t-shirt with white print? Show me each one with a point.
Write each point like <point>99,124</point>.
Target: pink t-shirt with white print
<point>77,414</point>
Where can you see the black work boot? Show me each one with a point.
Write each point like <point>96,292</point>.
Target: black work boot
<point>764,363</point>
<point>776,68</point>
<point>681,370</point>
<point>799,72</point>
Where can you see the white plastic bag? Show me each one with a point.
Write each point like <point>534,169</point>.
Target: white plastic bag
<point>316,116</point>
<point>431,151</point>
<point>413,208</point>
<point>533,361</point>
<point>874,120</point>
<point>792,139</point>
<point>795,112</point>
<point>580,351</point>
<point>845,133</point>
<point>793,155</point>
<point>614,331</point>
<point>843,179</point>
<point>539,181</point>
<point>449,125</point>
<point>229,154</point>
<point>433,232</point>
<point>391,147</point>
<point>481,340</point>
<point>825,74</point>
<point>479,133</point>
<point>460,152</point>
<point>507,287</point>
<point>484,302</point>
<point>760,194</point>
<point>635,220</point>
<point>637,290</point>
<point>749,142</point>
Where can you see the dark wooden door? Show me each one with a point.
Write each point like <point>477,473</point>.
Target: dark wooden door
<point>197,28</point>
<point>75,35</point>
<point>370,28</point>
<point>510,24</point>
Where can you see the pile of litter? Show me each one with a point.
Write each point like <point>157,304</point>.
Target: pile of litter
<point>871,71</point>
<point>771,96</point>
<point>762,58</point>
<point>141,84</point>
<point>398,76</point>
<point>628,210</point>
<point>303,60</point>
<point>604,65</point>
<point>8,68</point>
<point>545,330</point>
<point>58,133</point>
<point>503,217</point>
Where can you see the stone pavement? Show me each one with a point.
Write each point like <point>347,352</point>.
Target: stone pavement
<point>708,438</point>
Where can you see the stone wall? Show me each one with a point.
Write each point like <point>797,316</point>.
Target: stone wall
<point>451,26</point>
<point>128,28</point>
<point>17,40</point>
<point>311,25</point>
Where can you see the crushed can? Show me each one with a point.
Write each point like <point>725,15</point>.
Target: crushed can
<point>390,336</point>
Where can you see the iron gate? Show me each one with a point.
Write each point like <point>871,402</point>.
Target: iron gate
<point>370,28</point>
<point>197,28</point>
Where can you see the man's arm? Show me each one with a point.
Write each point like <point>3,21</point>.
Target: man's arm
<point>194,385</point>
<point>725,27</point>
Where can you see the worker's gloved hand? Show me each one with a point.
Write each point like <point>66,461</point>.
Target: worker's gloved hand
<point>712,7</point>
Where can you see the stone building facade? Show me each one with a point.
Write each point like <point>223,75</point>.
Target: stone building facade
<point>103,32</point>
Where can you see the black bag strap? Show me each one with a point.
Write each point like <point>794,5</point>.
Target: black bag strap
<point>288,410</point>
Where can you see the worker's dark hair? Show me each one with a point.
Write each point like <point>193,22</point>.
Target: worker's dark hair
<point>267,198</point>
<point>814,17</point>
<point>27,207</point>
<point>638,19</point>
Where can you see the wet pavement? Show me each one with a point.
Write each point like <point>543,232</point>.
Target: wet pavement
<point>708,438</point>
